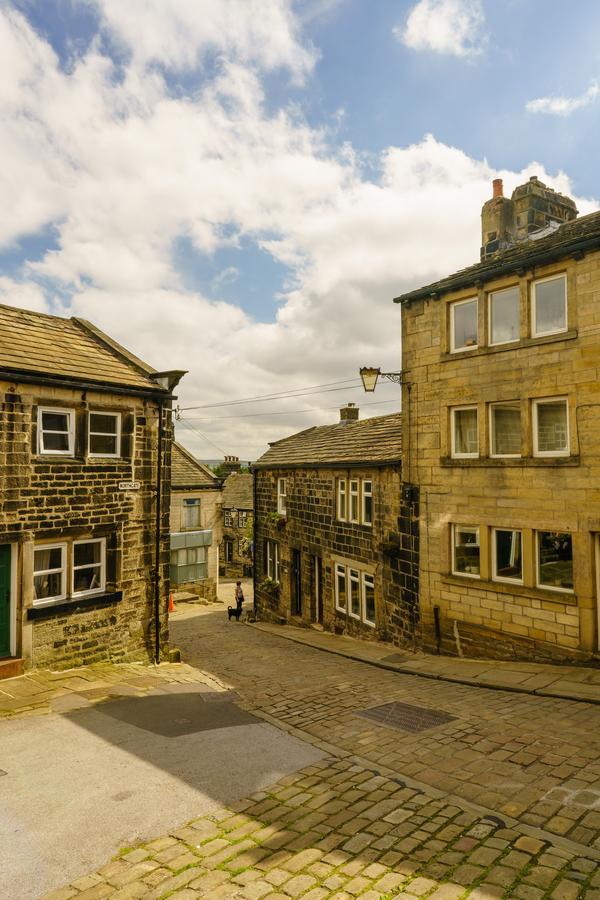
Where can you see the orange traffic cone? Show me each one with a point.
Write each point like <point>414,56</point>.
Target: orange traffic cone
<point>171,604</point>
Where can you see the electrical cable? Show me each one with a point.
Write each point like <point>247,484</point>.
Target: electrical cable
<point>281,395</point>
<point>286,412</point>
<point>200,434</point>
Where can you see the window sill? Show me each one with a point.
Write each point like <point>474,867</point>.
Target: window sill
<point>519,462</point>
<point>524,343</point>
<point>503,587</point>
<point>75,605</point>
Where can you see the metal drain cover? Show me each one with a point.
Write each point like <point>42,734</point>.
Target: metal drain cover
<point>405,717</point>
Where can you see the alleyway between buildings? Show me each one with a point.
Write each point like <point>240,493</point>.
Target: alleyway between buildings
<point>301,790</point>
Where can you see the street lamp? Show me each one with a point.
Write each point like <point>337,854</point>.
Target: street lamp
<point>370,376</point>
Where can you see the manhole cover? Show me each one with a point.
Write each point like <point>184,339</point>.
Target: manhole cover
<point>406,717</point>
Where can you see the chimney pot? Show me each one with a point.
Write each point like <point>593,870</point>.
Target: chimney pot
<point>497,185</point>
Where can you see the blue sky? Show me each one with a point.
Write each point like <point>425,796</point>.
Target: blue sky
<point>245,193</point>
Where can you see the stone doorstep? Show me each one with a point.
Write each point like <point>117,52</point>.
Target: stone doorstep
<point>11,667</point>
<point>476,673</point>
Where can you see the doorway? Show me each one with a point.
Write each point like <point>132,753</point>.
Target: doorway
<point>5,600</point>
<point>296,583</point>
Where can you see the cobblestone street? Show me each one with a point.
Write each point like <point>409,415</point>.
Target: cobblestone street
<point>500,800</point>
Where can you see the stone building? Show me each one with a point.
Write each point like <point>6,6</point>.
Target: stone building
<point>195,527</point>
<point>502,402</point>
<point>238,518</point>
<point>85,439</point>
<point>334,542</point>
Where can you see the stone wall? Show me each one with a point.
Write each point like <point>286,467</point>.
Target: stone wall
<point>49,499</point>
<point>526,493</point>
<point>384,550</point>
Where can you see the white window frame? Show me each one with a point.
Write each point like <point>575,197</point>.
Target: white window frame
<point>101,565</point>
<point>463,348</point>
<point>495,576</point>
<point>354,494</point>
<point>453,452</point>
<point>227,518</point>
<point>70,413</point>
<point>492,431</point>
<point>367,576</point>
<point>273,560</point>
<point>48,601</point>
<point>242,518</point>
<point>117,434</point>
<point>477,530</point>
<point>366,493</point>
<point>342,500</point>
<point>550,453</point>
<point>340,569</point>
<point>281,496</point>
<point>534,285</point>
<point>550,587</point>
<point>492,294</point>
<point>356,579</point>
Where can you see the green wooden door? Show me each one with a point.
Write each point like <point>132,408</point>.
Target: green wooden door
<point>4,600</point>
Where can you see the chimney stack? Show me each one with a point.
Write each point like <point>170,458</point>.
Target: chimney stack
<point>231,464</point>
<point>349,413</point>
<point>531,208</point>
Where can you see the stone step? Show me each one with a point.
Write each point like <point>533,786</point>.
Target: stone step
<point>11,667</point>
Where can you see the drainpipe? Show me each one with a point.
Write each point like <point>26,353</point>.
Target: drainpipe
<point>159,466</point>
<point>254,545</point>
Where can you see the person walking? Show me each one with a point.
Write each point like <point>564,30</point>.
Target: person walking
<point>239,594</point>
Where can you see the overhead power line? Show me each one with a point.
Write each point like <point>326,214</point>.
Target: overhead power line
<point>285,412</point>
<point>200,434</point>
<point>279,395</point>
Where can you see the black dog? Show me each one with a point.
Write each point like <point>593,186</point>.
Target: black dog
<point>233,612</point>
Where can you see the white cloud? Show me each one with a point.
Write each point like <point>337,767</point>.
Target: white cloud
<point>564,106</point>
<point>454,27</point>
<point>122,168</point>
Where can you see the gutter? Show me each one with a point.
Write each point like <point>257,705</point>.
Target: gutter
<point>340,464</point>
<point>538,258</point>
<point>103,387</point>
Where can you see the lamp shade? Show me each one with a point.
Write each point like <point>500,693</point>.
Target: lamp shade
<point>369,377</point>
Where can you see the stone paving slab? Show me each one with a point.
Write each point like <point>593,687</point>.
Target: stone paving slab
<point>572,682</point>
<point>340,830</point>
<point>43,691</point>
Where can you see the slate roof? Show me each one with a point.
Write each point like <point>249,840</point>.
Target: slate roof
<point>238,491</point>
<point>578,235</point>
<point>37,343</point>
<point>377,440</point>
<point>187,472</point>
